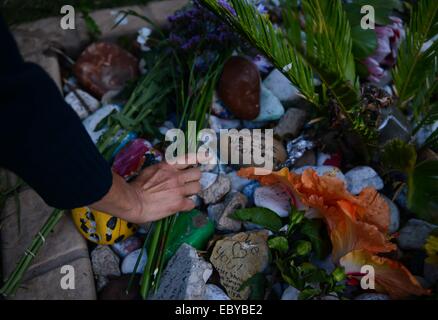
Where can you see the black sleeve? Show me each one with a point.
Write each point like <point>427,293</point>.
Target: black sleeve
<point>42,139</point>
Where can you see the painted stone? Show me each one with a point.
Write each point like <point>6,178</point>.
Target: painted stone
<point>102,67</point>
<point>239,257</point>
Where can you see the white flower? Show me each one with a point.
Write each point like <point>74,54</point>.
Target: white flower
<point>143,37</point>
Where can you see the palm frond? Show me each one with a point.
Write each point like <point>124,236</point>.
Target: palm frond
<point>327,49</point>
<point>271,41</point>
<point>414,64</point>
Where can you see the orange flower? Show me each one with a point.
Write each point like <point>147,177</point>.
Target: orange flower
<point>354,222</point>
<point>390,276</point>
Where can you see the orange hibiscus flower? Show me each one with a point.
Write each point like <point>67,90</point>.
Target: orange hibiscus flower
<point>354,222</point>
<point>390,276</point>
<point>357,226</point>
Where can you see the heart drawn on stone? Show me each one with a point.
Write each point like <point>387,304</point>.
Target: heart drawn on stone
<point>238,251</point>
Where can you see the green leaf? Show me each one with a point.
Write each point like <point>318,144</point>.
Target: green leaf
<point>338,274</point>
<point>279,243</point>
<point>423,191</point>
<point>295,219</point>
<point>261,216</point>
<point>364,42</point>
<point>399,155</point>
<point>416,69</point>
<point>309,293</point>
<point>302,247</point>
<point>382,10</point>
<point>256,285</point>
<point>312,229</point>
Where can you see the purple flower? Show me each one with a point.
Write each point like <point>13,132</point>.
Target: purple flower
<point>385,55</point>
<point>226,5</point>
<point>262,63</point>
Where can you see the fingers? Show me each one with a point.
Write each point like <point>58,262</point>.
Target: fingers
<point>185,161</point>
<point>189,175</point>
<point>190,188</point>
<point>186,205</point>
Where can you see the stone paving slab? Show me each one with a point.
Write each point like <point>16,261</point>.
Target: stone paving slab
<point>48,285</point>
<point>64,245</point>
<point>47,32</point>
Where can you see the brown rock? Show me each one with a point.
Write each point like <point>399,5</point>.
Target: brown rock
<point>104,66</point>
<point>238,258</point>
<point>239,88</point>
<point>290,124</point>
<point>116,289</point>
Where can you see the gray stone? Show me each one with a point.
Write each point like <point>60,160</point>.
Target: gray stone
<point>185,276</point>
<point>128,263</point>
<point>307,159</point>
<point>394,125</point>
<point>372,296</point>
<point>220,212</point>
<point>237,183</point>
<point>430,272</point>
<point>213,292</point>
<point>239,257</point>
<point>414,234</point>
<point>394,220</point>
<point>327,264</point>
<point>217,123</point>
<point>125,247</point>
<point>324,170</point>
<point>217,190</point>
<point>207,179</point>
<point>105,263</point>
<point>290,124</point>
<point>361,177</point>
<point>290,293</point>
<point>281,87</point>
<point>270,107</point>
<point>91,103</point>
<point>249,226</point>
<point>274,198</point>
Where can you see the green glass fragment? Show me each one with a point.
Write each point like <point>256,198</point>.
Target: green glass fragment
<point>193,228</point>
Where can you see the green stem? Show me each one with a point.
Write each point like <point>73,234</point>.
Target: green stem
<point>149,269</point>
<point>15,278</point>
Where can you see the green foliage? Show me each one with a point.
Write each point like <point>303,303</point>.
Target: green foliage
<point>364,42</point>
<point>382,10</point>
<point>292,251</point>
<point>261,216</point>
<point>416,69</point>
<point>279,243</point>
<point>256,285</point>
<point>313,229</point>
<point>422,191</point>
<point>91,25</point>
<point>399,155</point>
<point>326,49</point>
<point>260,32</point>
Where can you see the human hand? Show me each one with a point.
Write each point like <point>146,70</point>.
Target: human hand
<point>164,189</point>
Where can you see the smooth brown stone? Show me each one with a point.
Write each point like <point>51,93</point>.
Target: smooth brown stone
<point>105,66</point>
<point>239,88</point>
